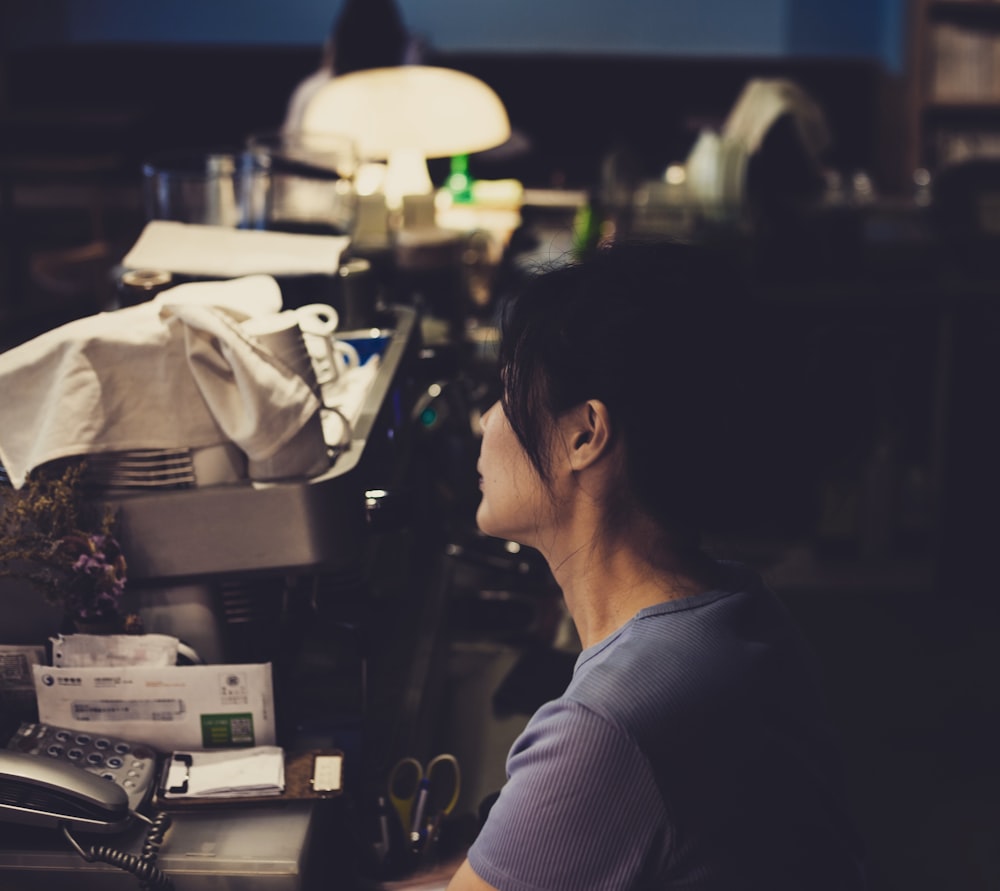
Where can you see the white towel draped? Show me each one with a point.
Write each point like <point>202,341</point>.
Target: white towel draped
<point>173,373</point>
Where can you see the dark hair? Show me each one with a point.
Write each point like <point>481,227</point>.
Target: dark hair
<point>658,332</point>
<point>368,34</point>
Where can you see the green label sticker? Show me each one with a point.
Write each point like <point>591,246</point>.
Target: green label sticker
<point>225,731</point>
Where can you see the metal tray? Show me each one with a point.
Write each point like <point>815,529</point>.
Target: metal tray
<point>307,524</point>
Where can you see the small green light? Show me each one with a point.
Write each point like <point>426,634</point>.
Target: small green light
<point>428,416</point>
<point>459,181</point>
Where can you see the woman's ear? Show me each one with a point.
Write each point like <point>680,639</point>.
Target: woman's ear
<point>588,433</point>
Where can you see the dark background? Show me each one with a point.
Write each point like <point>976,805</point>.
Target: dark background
<point>903,611</point>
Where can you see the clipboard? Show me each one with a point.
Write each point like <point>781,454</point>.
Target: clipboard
<point>300,784</point>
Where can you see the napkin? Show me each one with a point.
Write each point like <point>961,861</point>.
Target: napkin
<point>247,296</point>
<point>196,249</point>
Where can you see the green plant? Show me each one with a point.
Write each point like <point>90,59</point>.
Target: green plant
<point>52,538</point>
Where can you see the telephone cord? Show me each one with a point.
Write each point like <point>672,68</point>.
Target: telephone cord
<point>142,866</point>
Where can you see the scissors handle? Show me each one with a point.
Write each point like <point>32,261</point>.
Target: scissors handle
<point>404,785</point>
<point>445,779</point>
<point>439,791</point>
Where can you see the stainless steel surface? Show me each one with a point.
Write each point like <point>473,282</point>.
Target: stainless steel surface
<point>249,849</point>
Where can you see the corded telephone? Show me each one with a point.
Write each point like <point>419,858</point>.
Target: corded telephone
<point>49,760</point>
<point>71,780</point>
<point>44,792</point>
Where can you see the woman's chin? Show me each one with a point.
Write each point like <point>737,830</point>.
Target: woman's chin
<point>486,523</point>
<point>482,520</point>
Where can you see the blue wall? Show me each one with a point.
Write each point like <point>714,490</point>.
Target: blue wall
<point>709,27</point>
<point>852,29</point>
<point>894,28</point>
<point>871,28</point>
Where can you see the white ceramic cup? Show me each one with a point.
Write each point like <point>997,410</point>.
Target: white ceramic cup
<point>282,336</point>
<point>330,357</point>
<point>317,318</point>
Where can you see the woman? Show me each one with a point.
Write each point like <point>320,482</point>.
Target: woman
<point>365,34</point>
<point>690,749</point>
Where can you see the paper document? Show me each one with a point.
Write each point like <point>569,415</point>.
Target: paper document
<point>229,774</point>
<point>177,707</point>
<point>17,690</point>
<point>195,249</point>
<point>113,650</point>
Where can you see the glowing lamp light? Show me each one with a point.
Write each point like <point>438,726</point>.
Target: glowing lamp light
<point>406,114</point>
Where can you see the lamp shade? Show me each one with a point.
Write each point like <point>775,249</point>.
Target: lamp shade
<point>436,112</point>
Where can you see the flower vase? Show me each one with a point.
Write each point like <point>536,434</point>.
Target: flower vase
<point>110,625</point>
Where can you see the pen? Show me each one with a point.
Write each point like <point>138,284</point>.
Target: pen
<point>417,829</point>
<point>383,844</point>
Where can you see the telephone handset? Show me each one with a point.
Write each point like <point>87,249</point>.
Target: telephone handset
<point>37,791</point>
<point>73,780</point>
<point>120,764</point>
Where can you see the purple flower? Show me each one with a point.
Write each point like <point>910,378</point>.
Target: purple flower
<point>97,574</point>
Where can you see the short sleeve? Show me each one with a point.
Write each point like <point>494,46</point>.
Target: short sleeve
<point>580,809</point>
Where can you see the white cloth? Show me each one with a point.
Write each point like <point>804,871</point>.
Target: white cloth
<point>173,373</point>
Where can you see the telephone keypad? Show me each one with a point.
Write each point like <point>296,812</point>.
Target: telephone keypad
<point>131,765</point>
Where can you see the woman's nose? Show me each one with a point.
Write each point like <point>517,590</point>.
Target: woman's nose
<point>489,413</point>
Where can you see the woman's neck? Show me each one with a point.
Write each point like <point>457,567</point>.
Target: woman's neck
<point>609,556</point>
<point>608,580</point>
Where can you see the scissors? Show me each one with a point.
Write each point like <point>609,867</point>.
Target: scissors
<point>423,796</point>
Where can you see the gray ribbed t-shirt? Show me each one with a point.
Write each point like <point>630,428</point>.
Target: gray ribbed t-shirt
<point>690,750</point>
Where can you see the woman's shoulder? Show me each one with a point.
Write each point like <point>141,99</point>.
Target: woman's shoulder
<point>681,654</point>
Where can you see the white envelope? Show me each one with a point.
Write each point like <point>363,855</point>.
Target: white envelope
<point>176,707</point>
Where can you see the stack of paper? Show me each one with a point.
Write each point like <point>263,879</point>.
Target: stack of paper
<point>195,249</point>
<point>237,773</point>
